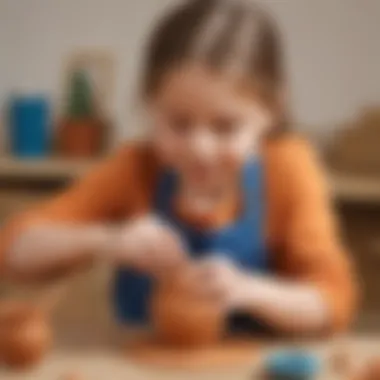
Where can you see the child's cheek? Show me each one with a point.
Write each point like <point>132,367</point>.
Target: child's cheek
<point>239,149</point>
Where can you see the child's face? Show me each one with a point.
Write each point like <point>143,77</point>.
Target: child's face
<point>204,126</point>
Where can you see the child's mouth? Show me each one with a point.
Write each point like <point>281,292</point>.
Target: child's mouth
<point>201,173</point>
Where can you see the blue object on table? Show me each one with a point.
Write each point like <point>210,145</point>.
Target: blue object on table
<point>29,126</point>
<point>294,365</point>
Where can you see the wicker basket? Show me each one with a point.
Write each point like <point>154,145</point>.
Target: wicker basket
<point>356,149</point>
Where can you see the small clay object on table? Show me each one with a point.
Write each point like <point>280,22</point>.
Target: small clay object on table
<point>371,370</point>
<point>25,335</point>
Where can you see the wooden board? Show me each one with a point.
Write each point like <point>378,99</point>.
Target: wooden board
<point>228,354</point>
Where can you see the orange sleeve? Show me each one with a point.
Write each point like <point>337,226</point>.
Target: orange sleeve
<point>101,195</point>
<point>314,252</point>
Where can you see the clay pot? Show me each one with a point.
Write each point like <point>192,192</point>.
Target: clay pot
<point>182,319</point>
<point>81,138</point>
<point>25,335</point>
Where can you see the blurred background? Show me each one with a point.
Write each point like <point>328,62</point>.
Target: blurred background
<point>69,75</point>
<point>332,46</point>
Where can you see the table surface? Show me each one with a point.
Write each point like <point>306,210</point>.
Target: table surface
<point>89,343</point>
<point>106,363</point>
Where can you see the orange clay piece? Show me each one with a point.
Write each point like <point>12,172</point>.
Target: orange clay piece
<point>182,319</point>
<point>25,335</point>
<point>371,370</point>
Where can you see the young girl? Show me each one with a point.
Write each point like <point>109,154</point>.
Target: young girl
<point>220,180</point>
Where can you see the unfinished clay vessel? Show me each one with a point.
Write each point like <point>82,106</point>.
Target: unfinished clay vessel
<point>182,319</point>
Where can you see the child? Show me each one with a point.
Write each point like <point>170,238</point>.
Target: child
<point>220,179</point>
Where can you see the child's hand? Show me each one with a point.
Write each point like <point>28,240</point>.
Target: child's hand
<point>218,278</point>
<point>148,245</point>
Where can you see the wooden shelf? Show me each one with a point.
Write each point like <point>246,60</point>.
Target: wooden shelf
<point>47,169</point>
<point>351,188</point>
<point>344,187</point>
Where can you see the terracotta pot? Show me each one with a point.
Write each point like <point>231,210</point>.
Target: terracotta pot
<point>81,138</point>
<point>25,335</point>
<point>182,319</point>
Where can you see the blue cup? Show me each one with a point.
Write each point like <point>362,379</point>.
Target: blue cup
<point>29,126</point>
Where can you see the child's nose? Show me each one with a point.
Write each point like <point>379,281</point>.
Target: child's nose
<point>204,146</point>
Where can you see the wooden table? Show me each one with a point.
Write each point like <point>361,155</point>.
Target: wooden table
<point>107,364</point>
<point>88,342</point>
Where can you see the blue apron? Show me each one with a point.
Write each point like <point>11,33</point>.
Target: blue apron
<point>242,241</point>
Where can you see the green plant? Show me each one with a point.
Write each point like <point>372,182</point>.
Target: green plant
<point>80,97</point>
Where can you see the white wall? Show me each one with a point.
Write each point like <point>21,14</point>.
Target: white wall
<point>333,49</point>
<point>334,56</point>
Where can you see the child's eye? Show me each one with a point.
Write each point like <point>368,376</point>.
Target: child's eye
<point>225,126</point>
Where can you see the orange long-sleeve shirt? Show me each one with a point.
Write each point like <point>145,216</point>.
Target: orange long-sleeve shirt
<point>300,227</point>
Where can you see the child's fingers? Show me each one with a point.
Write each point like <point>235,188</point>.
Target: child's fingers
<point>199,283</point>
<point>171,250</point>
<point>210,269</point>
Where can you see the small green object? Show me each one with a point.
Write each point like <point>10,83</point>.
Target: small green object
<point>80,97</point>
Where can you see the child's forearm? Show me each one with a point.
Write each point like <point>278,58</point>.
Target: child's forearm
<point>288,307</point>
<point>48,247</point>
